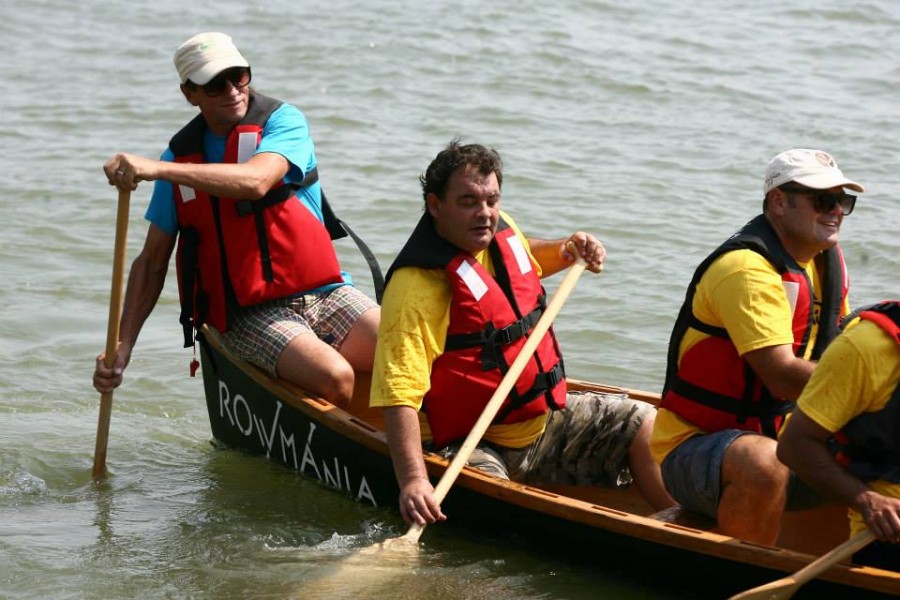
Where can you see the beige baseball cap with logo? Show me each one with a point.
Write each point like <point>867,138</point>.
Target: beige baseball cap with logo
<point>811,168</point>
<point>206,55</point>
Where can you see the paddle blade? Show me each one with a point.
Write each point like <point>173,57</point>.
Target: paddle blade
<point>775,590</point>
<point>399,545</point>
<point>786,586</point>
<point>99,469</point>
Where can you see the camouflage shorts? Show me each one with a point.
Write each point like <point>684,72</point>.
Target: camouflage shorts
<point>585,444</point>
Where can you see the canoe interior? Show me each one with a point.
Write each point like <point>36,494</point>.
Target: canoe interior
<point>346,449</point>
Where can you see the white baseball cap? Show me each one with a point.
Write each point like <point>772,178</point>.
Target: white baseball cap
<point>811,168</point>
<point>206,55</point>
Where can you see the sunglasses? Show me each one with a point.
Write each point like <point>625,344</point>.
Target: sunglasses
<point>238,77</point>
<point>824,202</point>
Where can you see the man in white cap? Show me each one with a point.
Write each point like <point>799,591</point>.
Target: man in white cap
<point>237,188</point>
<point>759,311</point>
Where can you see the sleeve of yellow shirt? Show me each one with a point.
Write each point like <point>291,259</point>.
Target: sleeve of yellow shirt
<point>858,373</point>
<point>411,335</point>
<point>743,293</point>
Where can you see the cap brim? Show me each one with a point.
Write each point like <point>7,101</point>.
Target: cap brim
<point>204,74</point>
<point>825,181</point>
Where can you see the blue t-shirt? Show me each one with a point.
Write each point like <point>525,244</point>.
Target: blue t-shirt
<point>285,133</point>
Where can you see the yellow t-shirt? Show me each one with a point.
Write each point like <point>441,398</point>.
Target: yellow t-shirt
<point>857,374</point>
<point>742,292</point>
<point>415,314</point>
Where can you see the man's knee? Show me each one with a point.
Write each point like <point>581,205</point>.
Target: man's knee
<point>340,379</point>
<point>318,369</point>
<point>750,462</point>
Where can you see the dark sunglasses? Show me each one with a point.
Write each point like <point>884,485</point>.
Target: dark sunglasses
<point>237,76</point>
<point>824,202</point>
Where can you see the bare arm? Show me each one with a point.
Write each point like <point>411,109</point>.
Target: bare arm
<point>248,180</point>
<point>782,372</point>
<point>145,283</point>
<point>802,447</point>
<point>553,256</point>
<point>417,501</point>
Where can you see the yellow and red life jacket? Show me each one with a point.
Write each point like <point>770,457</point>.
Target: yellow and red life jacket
<point>240,252</point>
<point>869,445</point>
<point>490,320</point>
<point>712,387</point>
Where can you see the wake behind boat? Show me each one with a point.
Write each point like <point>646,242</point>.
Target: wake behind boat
<point>347,449</point>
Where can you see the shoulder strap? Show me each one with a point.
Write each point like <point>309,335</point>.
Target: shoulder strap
<point>339,229</point>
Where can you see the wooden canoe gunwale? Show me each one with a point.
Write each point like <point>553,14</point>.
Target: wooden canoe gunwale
<point>751,563</point>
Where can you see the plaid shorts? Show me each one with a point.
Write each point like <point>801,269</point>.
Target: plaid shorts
<point>261,332</point>
<point>585,444</point>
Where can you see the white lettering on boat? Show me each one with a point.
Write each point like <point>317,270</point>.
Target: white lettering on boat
<point>235,411</point>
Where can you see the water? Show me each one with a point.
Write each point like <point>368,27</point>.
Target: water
<point>647,123</point>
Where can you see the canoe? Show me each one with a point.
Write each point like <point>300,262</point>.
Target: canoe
<point>346,449</point>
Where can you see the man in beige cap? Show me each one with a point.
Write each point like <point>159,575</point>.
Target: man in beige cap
<point>757,314</point>
<point>237,188</point>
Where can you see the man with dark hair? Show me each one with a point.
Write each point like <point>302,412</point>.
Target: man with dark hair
<point>461,299</point>
<point>238,190</point>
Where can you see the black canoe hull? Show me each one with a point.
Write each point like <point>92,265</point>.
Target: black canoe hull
<point>254,413</point>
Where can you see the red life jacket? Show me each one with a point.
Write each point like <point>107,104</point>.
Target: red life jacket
<point>712,387</point>
<point>869,445</point>
<point>239,252</point>
<point>490,319</point>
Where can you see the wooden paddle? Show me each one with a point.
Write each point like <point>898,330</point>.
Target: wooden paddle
<point>786,586</point>
<point>112,331</point>
<point>506,385</point>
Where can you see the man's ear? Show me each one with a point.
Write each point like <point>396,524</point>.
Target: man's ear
<point>188,94</point>
<point>775,201</point>
<point>433,204</point>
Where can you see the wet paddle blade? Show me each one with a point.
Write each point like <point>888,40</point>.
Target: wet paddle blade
<point>786,587</point>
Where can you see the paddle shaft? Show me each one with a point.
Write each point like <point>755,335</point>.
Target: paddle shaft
<point>112,331</point>
<point>503,390</point>
<point>784,588</point>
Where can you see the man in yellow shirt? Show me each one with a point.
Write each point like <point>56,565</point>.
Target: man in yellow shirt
<point>757,314</point>
<point>461,299</point>
<point>843,439</point>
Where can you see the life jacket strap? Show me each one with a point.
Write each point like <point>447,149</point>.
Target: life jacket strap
<point>495,336</point>
<point>543,383</point>
<point>189,257</point>
<point>728,404</point>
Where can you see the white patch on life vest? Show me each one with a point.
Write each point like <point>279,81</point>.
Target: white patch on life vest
<point>472,280</point>
<point>246,146</point>
<point>520,253</point>
<point>792,289</point>
<point>187,193</point>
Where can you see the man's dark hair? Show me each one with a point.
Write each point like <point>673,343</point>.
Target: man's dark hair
<point>455,155</point>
